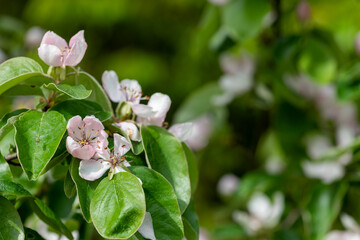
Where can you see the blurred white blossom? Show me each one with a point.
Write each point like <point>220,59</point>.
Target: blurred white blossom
<point>3,56</point>
<point>219,2</point>
<point>262,213</point>
<point>228,184</point>
<point>274,165</point>
<point>352,231</point>
<point>200,133</point>
<point>34,36</point>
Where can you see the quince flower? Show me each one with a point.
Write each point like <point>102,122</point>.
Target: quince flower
<point>86,137</point>
<point>155,111</point>
<point>181,130</point>
<point>93,169</point>
<point>124,91</point>
<point>55,51</point>
<point>130,129</point>
<point>263,214</point>
<point>352,230</point>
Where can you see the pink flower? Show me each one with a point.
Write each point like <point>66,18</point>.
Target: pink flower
<point>124,91</point>
<point>93,169</point>
<point>200,133</point>
<point>55,51</point>
<point>181,131</point>
<point>86,137</point>
<point>130,129</point>
<point>155,111</point>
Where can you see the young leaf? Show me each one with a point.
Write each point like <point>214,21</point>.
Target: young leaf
<point>69,186</point>
<point>162,204</point>
<point>17,70</point>
<point>37,137</point>
<point>118,206</point>
<point>11,190</point>
<point>89,82</point>
<point>76,92</point>
<point>83,108</point>
<point>193,170</point>
<point>48,217</point>
<point>190,220</point>
<point>85,189</point>
<point>11,227</point>
<point>165,155</point>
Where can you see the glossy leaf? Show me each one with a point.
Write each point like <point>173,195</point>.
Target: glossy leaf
<point>76,92</point>
<point>85,189</point>
<point>193,169</point>
<point>191,222</point>
<point>165,155</point>
<point>118,206</point>
<point>48,217</point>
<point>31,234</point>
<point>11,190</point>
<point>83,108</point>
<point>89,82</point>
<point>37,138</point>
<point>69,186</point>
<point>17,70</point>
<point>5,172</point>
<point>11,227</point>
<point>162,204</point>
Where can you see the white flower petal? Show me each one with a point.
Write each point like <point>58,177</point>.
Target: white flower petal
<point>181,130</point>
<point>327,171</point>
<point>349,223</point>
<point>146,229</point>
<point>92,169</point>
<point>130,129</point>
<point>160,103</point>
<point>51,55</point>
<point>111,85</point>
<point>142,110</point>
<point>121,145</point>
<point>132,90</point>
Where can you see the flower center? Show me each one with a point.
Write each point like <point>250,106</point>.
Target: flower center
<point>83,142</point>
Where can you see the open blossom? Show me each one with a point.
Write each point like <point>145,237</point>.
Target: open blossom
<point>155,111</point>
<point>181,131</point>
<point>33,36</point>
<point>55,51</point>
<point>263,214</point>
<point>94,168</point>
<point>130,129</point>
<point>352,230</point>
<point>124,91</point>
<point>200,133</point>
<point>86,137</point>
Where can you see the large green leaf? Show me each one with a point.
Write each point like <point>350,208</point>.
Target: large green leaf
<point>162,204</point>
<point>324,207</point>
<point>76,92</point>
<point>17,70</point>
<point>191,224</point>
<point>69,186</point>
<point>83,108</point>
<point>165,155</point>
<point>37,138</point>
<point>85,189</point>
<point>5,172</point>
<point>244,19</point>
<point>118,206</point>
<point>48,217</point>
<point>193,169</point>
<point>12,190</point>
<point>11,227</point>
<point>89,82</point>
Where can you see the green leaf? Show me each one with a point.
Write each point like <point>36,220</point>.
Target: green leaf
<point>162,204</point>
<point>32,234</point>
<point>85,189</point>
<point>191,222</point>
<point>11,227</point>
<point>324,207</point>
<point>89,82</point>
<point>83,108</point>
<point>118,206</point>
<point>12,190</point>
<point>76,92</point>
<point>37,138</point>
<point>193,169</point>
<point>244,19</point>
<point>165,155</point>
<point>5,172</point>
<point>17,70</point>
<point>48,217</point>
<point>6,117</point>
<point>69,186</point>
